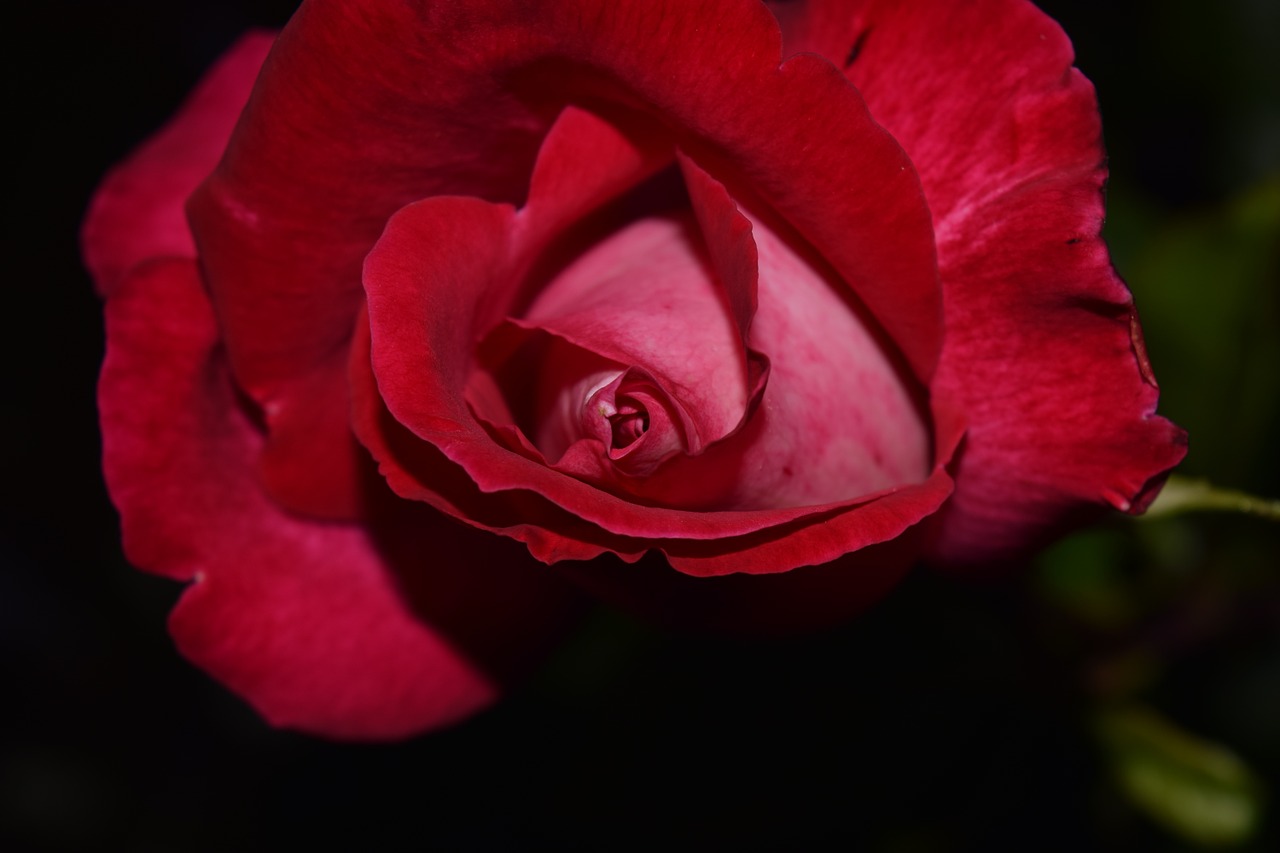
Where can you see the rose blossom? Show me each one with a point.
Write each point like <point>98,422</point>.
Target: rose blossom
<point>605,282</point>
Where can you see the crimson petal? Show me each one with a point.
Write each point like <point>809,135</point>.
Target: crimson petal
<point>340,630</point>
<point>1046,353</point>
<point>1043,351</point>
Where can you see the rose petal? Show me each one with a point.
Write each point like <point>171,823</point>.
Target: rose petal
<point>643,295</point>
<point>311,462</point>
<point>137,212</point>
<point>730,246</point>
<point>864,214</point>
<point>835,529</point>
<point>334,629</point>
<point>994,73</point>
<point>585,162</point>
<point>839,416</point>
<point>1042,348</point>
<point>1045,353</point>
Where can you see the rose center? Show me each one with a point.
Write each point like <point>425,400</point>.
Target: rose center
<point>628,424</point>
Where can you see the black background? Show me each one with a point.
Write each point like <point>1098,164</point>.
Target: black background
<point>937,722</point>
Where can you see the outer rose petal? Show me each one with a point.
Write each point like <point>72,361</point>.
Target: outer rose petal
<point>311,462</point>
<point>1042,348</point>
<point>137,213</point>
<point>334,629</point>
<point>1046,353</point>
<point>981,94</point>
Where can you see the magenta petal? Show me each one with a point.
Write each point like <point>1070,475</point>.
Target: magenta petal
<point>137,213</point>
<point>335,629</point>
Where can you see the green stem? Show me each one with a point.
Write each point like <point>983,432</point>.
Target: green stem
<point>1184,494</point>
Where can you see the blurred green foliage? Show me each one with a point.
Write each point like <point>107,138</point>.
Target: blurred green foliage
<point>1178,616</point>
<point>1197,789</point>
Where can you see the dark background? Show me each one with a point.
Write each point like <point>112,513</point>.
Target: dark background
<point>954,716</point>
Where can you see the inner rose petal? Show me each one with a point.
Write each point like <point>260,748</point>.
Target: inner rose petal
<point>647,297</point>
<point>639,424</point>
<point>842,416</point>
<point>589,417</point>
<point>629,422</point>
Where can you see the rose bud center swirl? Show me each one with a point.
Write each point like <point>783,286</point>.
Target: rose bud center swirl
<point>631,418</point>
<point>629,423</point>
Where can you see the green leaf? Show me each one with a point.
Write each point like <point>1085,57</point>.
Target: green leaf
<point>1194,788</point>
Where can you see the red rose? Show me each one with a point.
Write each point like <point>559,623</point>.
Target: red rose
<point>603,278</point>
